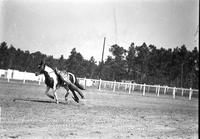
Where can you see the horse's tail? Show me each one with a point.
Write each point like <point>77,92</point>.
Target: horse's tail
<point>79,85</point>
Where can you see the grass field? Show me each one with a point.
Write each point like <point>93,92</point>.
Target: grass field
<point>26,112</point>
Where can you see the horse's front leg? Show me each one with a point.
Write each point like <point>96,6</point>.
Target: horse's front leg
<point>67,89</point>
<point>46,92</point>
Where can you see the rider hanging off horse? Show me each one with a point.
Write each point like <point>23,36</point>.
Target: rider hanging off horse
<point>55,78</point>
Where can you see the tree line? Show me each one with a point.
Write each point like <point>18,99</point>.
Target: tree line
<point>141,64</point>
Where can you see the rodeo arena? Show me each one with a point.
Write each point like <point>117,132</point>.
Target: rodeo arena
<point>110,109</point>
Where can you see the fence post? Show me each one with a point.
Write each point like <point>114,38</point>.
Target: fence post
<point>182,92</point>
<point>174,91</point>
<point>165,90</point>
<point>156,89</point>
<point>8,76</point>
<point>39,81</point>
<point>24,77</point>
<point>100,84</point>
<point>129,88</point>
<point>114,85</point>
<point>85,81</point>
<point>144,90</point>
<point>190,94</point>
<point>158,93</point>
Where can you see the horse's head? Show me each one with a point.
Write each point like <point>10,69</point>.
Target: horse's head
<point>41,68</point>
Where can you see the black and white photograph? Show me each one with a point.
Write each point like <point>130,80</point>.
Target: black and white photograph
<point>99,69</point>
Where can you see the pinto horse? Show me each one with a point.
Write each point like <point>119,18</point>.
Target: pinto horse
<point>66,78</point>
<point>54,80</point>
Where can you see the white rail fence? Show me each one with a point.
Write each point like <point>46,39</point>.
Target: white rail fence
<point>19,75</point>
<point>143,88</point>
<point>104,85</point>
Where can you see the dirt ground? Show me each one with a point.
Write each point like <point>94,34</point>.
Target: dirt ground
<point>26,112</point>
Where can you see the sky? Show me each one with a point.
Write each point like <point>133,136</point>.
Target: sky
<point>55,27</point>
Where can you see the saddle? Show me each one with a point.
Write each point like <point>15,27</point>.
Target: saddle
<point>63,76</point>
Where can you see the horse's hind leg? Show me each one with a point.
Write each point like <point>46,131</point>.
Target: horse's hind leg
<point>66,96</point>
<point>67,93</point>
<point>55,94</point>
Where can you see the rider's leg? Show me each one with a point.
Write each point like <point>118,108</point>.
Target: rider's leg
<point>67,93</point>
<point>74,94</point>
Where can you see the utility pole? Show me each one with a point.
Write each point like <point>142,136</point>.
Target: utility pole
<point>196,34</point>
<point>104,41</point>
<point>101,64</point>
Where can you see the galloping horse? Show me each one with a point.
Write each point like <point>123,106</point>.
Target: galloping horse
<point>55,80</point>
<point>65,77</point>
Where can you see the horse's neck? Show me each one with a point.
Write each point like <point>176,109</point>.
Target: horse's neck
<point>50,77</point>
<point>47,71</point>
